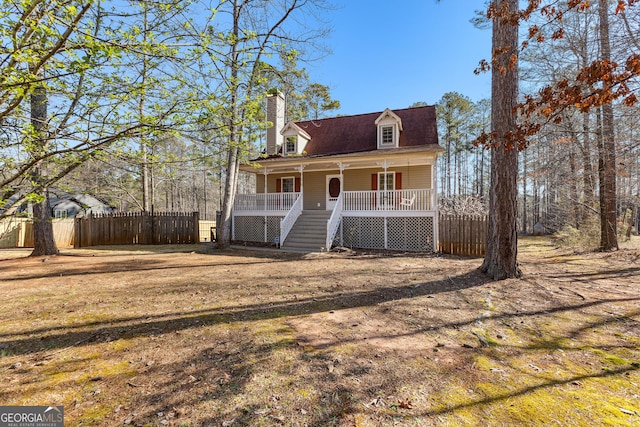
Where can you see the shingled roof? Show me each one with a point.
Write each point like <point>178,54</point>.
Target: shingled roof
<point>354,134</point>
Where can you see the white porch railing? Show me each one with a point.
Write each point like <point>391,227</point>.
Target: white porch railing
<point>286,223</point>
<point>391,200</point>
<point>334,222</point>
<point>265,202</point>
<point>358,201</point>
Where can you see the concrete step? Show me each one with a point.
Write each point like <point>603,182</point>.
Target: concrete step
<point>305,221</point>
<point>305,238</point>
<point>302,224</point>
<point>309,232</point>
<point>315,246</point>
<point>305,235</point>
<point>303,245</point>
<point>317,212</point>
<point>309,243</point>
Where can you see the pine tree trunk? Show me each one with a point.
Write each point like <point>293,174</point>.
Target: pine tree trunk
<point>525,215</point>
<point>588,181</point>
<point>233,161</point>
<point>43,239</point>
<point>608,227</point>
<point>482,174</point>
<point>144,166</point>
<point>500,261</point>
<point>44,242</point>
<point>225,232</point>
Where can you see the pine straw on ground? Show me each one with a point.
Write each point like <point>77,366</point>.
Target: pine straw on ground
<point>190,336</point>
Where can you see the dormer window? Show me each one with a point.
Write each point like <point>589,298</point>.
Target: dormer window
<point>291,143</point>
<point>295,139</point>
<point>387,135</point>
<point>389,128</point>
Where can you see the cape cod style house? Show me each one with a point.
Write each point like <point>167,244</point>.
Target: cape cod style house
<point>365,181</point>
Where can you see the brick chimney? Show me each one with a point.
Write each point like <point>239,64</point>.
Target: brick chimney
<point>275,114</point>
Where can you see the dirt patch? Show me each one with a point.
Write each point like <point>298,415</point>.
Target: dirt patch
<point>190,336</point>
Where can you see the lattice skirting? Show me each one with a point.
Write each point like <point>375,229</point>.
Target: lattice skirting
<point>251,228</point>
<point>403,233</point>
<point>363,232</point>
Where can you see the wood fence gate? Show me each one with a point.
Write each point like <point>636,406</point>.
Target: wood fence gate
<point>462,235</point>
<point>132,228</point>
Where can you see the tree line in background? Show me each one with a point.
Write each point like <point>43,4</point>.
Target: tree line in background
<point>579,74</point>
<point>155,105</point>
<point>605,78</point>
<point>145,104</point>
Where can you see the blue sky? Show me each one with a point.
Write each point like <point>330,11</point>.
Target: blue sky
<point>394,53</point>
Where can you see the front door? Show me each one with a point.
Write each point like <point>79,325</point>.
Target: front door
<point>334,188</point>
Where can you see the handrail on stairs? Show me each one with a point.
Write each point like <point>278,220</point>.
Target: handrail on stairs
<point>287,223</point>
<point>333,223</point>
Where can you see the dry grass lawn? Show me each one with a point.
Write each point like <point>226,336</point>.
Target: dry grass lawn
<point>190,336</point>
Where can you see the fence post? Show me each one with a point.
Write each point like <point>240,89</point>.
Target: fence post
<point>196,227</point>
<point>89,226</point>
<point>76,233</point>
<point>146,228</point>
<point>153,227</point>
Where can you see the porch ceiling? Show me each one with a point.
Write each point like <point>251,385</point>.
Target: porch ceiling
<point>350,161</point>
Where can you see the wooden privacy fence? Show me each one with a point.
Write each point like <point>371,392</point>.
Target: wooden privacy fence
<point>62,233</point>
<point>142,228</point>
<point>12,232</point>
<point>462,235</point>
<point>18,232</point>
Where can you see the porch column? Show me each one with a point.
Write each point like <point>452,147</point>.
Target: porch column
<point>341,166</point>
<point>385,198</point>
<point>434,205</point>
<point>384,165</point>
<point>301,169</point>
<point>266,174</point>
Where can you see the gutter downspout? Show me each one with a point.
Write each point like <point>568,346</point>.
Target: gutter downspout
<point>266,173</point>
<point>385,198</point>
<point>341,190</point>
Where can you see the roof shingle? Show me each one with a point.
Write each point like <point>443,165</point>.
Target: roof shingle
<point>353,134</point>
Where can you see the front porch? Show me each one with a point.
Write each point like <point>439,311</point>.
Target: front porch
<point>370,200</point>
<point>354,203</point>
<point>377,219</point>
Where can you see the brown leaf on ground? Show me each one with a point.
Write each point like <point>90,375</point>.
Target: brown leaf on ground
<point>405,404</point>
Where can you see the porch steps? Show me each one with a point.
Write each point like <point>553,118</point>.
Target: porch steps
<point>309,232</point>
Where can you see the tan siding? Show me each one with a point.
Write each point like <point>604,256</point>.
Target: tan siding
<point>315,183</point>
<point>271,181</point>
<point>358,179</point>
<point>417,177</point>
<point>259,183</point>
<point>315,190</point>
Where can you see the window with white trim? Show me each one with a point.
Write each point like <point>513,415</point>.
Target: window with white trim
<point>389,126</point>
<point>387,136</point>
<point>390,178</point>
<point>290,145</point>
<point>288,185</point>
<point>386,185</point>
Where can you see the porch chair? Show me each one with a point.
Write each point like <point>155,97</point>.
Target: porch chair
<point>408,202</point>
